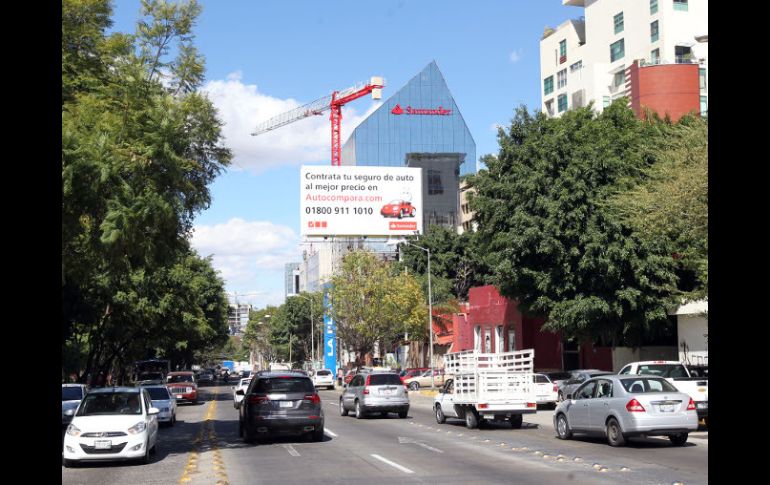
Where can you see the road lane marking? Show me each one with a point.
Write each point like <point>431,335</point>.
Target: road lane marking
<point>330,432</point>
<point>291,450</point>
<point>394,465</point>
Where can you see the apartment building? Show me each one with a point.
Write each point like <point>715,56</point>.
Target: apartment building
<point>654,52</point>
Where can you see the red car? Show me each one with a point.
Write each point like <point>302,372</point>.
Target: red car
<point>182,386</point>
<point>412,372</point>
<point>398,208</point>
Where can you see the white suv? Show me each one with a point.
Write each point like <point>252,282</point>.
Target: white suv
<point>323,378</point>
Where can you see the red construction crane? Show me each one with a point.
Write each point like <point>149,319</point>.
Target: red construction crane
<point>333,102</point>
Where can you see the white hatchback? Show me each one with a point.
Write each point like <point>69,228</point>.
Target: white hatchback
<point>546,391</point>
<point>243,384</point>
<point>323,378</point>
<point>115,423</point>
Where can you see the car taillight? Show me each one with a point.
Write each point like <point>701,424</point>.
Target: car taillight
<point>366,390</point>
<point>531,404</point>
<point>555,388</point>
<point>368,378</point>
<point>258,399</point>
<point>691,405</point>
<point>634,406</point>
<point>483,406</point>
<point>313,398</point>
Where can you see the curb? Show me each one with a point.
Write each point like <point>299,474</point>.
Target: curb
<point>428,393</point>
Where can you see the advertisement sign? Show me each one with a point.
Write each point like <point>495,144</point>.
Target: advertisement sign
<point>360,201</point>
<point>330,334</point>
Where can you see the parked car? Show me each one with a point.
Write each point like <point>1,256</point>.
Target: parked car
<point>546,391</point>
<point>112,423</point>
<point>243,384</point>
<point>279,402</point>
<point>558,377</point>
<point>620,407</point>
<point>244,374</point>
<point>412,372</point>
<point>71,395</point>
<point>398,208</point>
<point>182,385</point>
<point>323,378</point>
<point>349,376</point>
<point>699,371</point>
<point>578,377</point>
<point>424,380</point>
<point>375,392</point>
<point>165,402</point>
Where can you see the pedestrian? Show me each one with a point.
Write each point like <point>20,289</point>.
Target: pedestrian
<point>340,376</point>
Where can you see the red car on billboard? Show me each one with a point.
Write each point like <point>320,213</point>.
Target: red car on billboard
<point>398,208</point>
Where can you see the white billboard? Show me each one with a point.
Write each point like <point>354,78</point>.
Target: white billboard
<point>360,201</point>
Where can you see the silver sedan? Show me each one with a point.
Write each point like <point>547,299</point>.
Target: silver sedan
<point>619,407</point>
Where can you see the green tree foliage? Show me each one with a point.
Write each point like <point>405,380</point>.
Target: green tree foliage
<point>455,268</point>
<point>370,303</point>
<point>670,205</point>
<point>257,334</point>
<point>139,148</point>
<point>549,240</point>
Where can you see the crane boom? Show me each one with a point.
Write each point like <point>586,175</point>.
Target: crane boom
<point>333,102</point>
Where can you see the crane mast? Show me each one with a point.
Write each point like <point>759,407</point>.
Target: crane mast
<point>333,102</point>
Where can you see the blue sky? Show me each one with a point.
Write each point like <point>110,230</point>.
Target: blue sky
<point>265,57</point>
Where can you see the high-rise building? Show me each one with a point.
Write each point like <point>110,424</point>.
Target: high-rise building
<point>654,52</point>
<point>292,279</point>
<point>466,214</point>
<point>238,317</point>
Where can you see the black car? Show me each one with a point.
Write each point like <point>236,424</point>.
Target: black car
<point>205,378</point>
<point>279,402</point>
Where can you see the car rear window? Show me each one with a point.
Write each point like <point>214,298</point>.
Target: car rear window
<point>384,379</point>
<point>324,373</point>
<point>71,393</point>
<point>541,379</point>
<point>648,384</point>
<point>284,384</point>
<point>158,393</point>
<point>663,370</point>
<point>559,376</point>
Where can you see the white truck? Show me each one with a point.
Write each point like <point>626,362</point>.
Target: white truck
<point>677,374</point>
<point>279,366</point>
<point>497,387</point>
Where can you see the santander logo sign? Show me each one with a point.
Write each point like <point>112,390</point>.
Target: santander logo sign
<point>440,111</point>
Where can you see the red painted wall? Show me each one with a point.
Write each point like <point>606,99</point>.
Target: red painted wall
<point>672,89</point>
<point>547,345</point>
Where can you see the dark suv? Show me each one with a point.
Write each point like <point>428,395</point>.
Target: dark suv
<point>280,401</point>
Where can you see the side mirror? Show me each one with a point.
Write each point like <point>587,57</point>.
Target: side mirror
<point>441,390</point>
<point>69,412</point>
<point>152,411</point>
<point>239,392</point>
<point>569,396</point>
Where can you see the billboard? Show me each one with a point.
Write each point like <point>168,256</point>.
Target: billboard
<point>360,201</point>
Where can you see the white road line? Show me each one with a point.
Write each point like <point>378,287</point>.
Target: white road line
<point>394,465</point>
<point>291,450</point>
<point>430,447</point>
<point>330,432</point>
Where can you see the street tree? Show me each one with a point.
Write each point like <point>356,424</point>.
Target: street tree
<point>547,236</point>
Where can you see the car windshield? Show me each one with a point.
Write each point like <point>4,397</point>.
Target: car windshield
<point>324,373</point>
<point>182,378</point>
<point>384,379</point>
<point>158,393</point>
<point>284,384</point>
<point>71,393</point>
<point>559,376</point>
<point>110,403</point>
<point>647,384</point>
<point>663,370</point>
<point>541,379</point>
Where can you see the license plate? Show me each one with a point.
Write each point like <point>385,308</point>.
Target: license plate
<point>703,405</point>
<point>102,444</point>
<point>667,408</point>
<point>179,396</point>
<point>285,404</point>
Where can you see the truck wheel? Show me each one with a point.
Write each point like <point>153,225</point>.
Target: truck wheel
<point>614,433</point>
<point>440,418</point>
<point>678,439</point>
<point>517,420</point>
<point>471,419</point>
<point>562,427</point>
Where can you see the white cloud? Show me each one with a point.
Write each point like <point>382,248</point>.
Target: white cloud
<point>250,256</point>
<point>242,106</point>
<point>516,55</point>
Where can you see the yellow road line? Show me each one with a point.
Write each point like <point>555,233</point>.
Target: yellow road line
<point>206,433</point>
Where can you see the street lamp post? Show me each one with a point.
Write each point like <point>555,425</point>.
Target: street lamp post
<point>430,313</point>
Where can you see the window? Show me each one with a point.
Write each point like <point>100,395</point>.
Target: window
<point>605,101</point>
<point>434,183</point>
<point>285,384</point>
<point>618,20</point>
<point>619,79</point>
<point>499,340</point>
<point>587,391</point>
<point>548,85</point>
<point>647,384</point>
<point>680,5</point>
<point>617,50</point>
<point>561,78</point>
<point>663,370</point>
<point>704,109</point>
<point>655,56</point>
<point>682,54</point>
<point>562,102</point>
<point>71,393</point>
<point>563,51</point>
<point>604,390</point>
<point>654,31</point>
<point>626,370</point>
<point>653,7</point>
<point>384,380</point>
<point>576,66</point>
<point>702,75</point>
<point>549,106</point>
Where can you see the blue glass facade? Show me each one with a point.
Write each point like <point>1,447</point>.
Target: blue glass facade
<point>422,117</point>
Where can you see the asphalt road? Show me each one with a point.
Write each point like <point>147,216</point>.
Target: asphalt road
<point>204,448</point>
